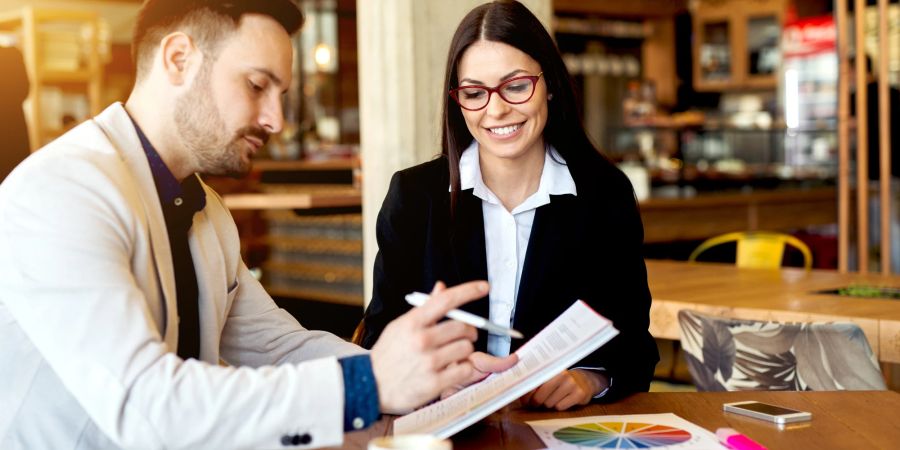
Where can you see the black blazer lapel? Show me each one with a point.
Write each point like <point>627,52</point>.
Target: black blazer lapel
<point>468,252</point>
<point>553,225</point>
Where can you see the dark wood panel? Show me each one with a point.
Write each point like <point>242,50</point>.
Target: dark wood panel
<point>705,216</point>
<point>691,222</point>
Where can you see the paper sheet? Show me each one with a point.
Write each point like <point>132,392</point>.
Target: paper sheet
<point>647,431</point>
<point>576,333</point>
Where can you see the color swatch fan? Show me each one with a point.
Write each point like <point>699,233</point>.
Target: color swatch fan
<point>647,431</point>
<point>622,435</point>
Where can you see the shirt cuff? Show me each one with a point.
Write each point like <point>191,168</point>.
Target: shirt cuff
<point>360,393</point>
<point>603,371</point>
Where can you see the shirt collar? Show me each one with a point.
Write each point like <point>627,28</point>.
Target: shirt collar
<point>555,179</point>
<point>170,191</point>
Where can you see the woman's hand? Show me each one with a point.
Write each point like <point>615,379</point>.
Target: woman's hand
<point>569,388</point>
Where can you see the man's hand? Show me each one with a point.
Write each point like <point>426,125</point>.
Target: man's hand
<point>483,365</point>
<point>569,388</point>
<point>416,358</point>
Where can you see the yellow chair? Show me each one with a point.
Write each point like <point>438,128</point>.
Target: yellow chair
<point>757,249</point>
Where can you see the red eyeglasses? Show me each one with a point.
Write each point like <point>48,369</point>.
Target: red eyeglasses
<point>514,91</point>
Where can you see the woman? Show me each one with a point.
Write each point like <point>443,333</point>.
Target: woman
<point>531,206</point>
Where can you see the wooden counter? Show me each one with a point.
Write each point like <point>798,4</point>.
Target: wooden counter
<point>708,215</point>
<point>788,294</point>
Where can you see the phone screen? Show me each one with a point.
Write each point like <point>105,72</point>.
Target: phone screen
<point>765,408</point>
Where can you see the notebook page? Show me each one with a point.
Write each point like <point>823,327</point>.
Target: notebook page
<point>576,333</point>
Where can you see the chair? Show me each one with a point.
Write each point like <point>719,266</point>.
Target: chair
<point>757,249</point>
<point>359,333</point>
<point>725,354</point>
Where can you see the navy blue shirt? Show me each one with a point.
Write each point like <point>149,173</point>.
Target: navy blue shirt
<point>180,201</point>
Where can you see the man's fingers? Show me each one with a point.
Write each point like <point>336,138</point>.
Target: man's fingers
<point>484,362</point>
<point>443,301</point>
<point>448,331</point>
<point>454,352</point>
<point>455,374</point>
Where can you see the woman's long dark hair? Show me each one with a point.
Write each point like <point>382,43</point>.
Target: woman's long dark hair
<point>511,23</point>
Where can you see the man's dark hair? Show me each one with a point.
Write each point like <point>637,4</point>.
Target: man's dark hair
<point>208,22</point>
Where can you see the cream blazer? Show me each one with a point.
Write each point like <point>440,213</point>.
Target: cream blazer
<point>88,317</point>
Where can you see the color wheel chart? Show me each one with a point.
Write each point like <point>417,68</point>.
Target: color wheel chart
<point>633,431</point>
<point>622,435</point>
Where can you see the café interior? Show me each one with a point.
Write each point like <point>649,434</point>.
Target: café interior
<point>759,137</point>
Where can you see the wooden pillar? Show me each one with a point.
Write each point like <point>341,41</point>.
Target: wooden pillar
<point>884,138</point>
<point>403,48</point>
<point>862,141</point>
<point>843,138</point>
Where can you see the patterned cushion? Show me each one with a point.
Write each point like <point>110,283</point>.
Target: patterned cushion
<point>726,354</point>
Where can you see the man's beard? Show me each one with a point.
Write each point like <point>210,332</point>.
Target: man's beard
<point>204,134</point>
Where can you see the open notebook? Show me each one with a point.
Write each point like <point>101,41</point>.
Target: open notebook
<point>576,333</point>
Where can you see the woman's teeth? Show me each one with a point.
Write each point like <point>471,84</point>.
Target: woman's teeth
<point>503,131</point>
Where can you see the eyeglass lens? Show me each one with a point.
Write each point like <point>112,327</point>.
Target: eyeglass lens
<point>513,91</point>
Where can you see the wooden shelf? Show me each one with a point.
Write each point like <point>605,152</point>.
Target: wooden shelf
<point>29,22</point>
<point>315,245</point>
<point>299,200</point>
<point>309,294</point>
<point>63,15</point>
<point>328,164</point>
<point>57,76</point>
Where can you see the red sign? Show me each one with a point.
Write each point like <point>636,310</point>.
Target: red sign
<point>809,36</point>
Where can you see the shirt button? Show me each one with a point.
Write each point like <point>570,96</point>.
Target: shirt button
<point>358,423</point>
<point>509,264</point>
<point>178,201</point>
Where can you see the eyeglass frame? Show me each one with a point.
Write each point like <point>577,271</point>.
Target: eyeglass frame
<point>454,93</point>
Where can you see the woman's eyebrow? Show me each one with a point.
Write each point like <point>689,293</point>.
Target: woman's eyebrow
<point>504,78</point>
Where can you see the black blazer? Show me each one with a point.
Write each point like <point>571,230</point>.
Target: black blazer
<point>584,247</point>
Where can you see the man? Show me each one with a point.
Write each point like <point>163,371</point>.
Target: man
<point>114,256</point>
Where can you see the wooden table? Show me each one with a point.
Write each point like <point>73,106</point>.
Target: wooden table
<point>785,295</point>
<point>841,420</point>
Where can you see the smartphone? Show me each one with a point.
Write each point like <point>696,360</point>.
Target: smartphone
<point>768,412</point>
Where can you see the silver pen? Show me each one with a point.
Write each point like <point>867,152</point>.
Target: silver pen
<point>419,299</point>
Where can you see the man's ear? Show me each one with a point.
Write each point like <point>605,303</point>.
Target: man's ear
<point>179,56</point>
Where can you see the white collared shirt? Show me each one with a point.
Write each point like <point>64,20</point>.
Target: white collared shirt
<point>506,233</point>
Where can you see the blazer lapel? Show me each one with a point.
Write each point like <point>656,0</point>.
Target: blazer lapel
<point>115,122</point>
<point>205,246</point>
<point>468,252</point>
